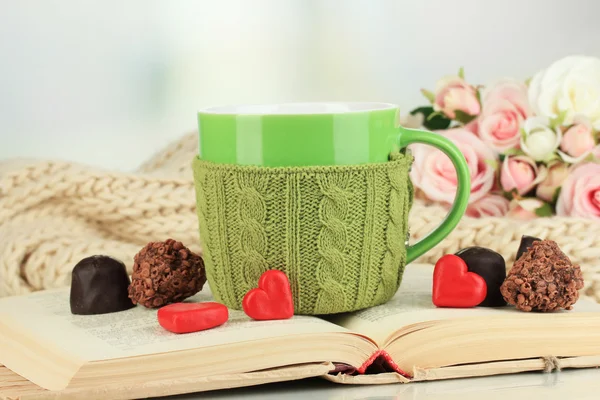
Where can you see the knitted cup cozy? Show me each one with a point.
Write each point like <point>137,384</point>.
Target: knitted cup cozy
<point>338,232</point>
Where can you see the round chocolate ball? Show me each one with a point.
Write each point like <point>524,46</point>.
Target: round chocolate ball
<point>543,279</point>
<point>165,272</point>
<point>491,267</point>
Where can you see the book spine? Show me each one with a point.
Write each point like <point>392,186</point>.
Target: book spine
<point>386,359</point>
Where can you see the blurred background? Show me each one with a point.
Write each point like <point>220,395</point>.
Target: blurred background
<point>111,82</point>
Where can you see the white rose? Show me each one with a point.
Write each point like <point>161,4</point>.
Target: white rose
<point>538,140</point>
<point>571,86</point>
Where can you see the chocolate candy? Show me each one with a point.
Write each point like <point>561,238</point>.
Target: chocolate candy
<point>544,279</point>
<point>99,286</point>
<point>491,267</point>
<point>165,272</point>
<point>526,242</point>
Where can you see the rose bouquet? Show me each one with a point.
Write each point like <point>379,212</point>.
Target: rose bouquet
<point>531,146</point>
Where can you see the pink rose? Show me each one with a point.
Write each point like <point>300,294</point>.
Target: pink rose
<point>490,205</point>
<point>580,193</point>
<point>521,173</point>
<point>504,108</point>
<point>453,93</point>
<point>473,126</point>
<point>434,174</point>
<point>524,209</point>
<point>555,177</point>
<point>578,140</point>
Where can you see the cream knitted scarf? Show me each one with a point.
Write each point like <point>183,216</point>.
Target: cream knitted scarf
<point>52,214</point>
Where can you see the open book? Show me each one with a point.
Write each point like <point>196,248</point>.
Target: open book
<point>408,339</point>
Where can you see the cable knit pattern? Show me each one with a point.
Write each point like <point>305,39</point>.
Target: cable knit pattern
<point>332,241</point>
<point>311,221</point>
<point>395,254</point>
<point>208,218</point>
<point>253,240</point>
<point>53,213</point>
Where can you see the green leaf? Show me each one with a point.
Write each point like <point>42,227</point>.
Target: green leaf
<point>523,134</point>
<point>463,117</point>
<point>558,121</point>
<point>552,158</point>
<point>513,152</point>
<point>432,120</point>
<point>478,95</point>
<point>461,73</point>
<point>491,163</point>
<point>512,194</point>
<point>545,210</point>
<point>556,194</point>
<point>435,114</point>
<point>437,123</point>
<point>528,81</point>
<point>553,163</point>
<point>589,158</point>
<point>425,110</point>
<point>428,95</point>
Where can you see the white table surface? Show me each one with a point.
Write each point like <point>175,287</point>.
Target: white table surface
<point>565,385</point>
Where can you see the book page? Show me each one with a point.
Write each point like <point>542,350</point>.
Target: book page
<point>412,304</point>
<point>47,316</point>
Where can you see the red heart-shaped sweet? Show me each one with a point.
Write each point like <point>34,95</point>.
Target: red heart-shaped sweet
<point>455,286</point>
<point>192,317</point>
<point>272,299</point>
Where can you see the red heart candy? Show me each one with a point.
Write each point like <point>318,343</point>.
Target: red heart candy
<point>192,317</point>
<point>455,286</point>
<point>272,299</point>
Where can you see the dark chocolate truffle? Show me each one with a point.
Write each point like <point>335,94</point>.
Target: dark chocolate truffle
<point>99,286</point>
<point>543,279</point>
<point>526,242</point>
<point>491,267</point>
<point>165,272</point>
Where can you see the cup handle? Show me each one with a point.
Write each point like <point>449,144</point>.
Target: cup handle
<point>461,199</point>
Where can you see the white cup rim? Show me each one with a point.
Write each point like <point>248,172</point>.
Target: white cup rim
<point>299,108</point>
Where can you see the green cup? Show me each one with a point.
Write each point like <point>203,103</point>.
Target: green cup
<point>320,191</point>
